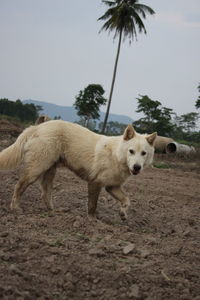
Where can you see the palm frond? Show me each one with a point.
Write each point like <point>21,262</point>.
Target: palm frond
<point>125,16</point>
<point>138,21</point>
<point>108,14</point>
<point>109,3</point>
<point>144,9</point>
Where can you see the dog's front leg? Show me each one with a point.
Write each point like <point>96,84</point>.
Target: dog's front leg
<point>93,194</point>
<point>117,193</point>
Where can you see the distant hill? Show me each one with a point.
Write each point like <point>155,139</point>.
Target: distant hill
<point>68,113</point>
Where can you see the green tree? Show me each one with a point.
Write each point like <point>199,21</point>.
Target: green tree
<point>27,112</point>
<point>92,124</point>
<point>6,107</point>
<point>197,105</point>
<point>88,102</point>
<point>113,127</point>
<point>156,117</point>
<point>189,121</point>
<point>124,17</point>
<point>57,118</point>
<point>164,124</point>
<point>149,108</point>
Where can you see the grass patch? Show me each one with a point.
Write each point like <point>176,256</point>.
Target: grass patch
<point>47,214</point>
<point>59,241</point>
<point>161,165</point>
<point>82,236</point>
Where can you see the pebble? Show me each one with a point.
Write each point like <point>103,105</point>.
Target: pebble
<point>144,253</point>
<point>76,224</point>
<point>128,249</point>
<point>50,259</point>
<point>134,291</point>
<point>97,252</point>
<point>4,234</point>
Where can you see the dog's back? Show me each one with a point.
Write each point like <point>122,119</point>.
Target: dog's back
<point>69,143</point>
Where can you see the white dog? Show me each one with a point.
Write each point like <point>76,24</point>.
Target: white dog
<point>102,161</point>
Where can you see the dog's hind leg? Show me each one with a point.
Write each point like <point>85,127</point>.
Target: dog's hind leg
<point>93,194</point>
<point>46,181</point>
<point>33,170</point>
<point>117,193</point>
<point>24,181</point>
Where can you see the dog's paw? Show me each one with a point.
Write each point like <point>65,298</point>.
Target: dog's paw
<point>92,217</point>
<point>123,215</point>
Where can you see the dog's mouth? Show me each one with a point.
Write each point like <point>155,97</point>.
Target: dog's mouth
<point>135,172</point>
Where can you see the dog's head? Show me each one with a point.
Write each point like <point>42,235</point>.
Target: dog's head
<point>139,149</point>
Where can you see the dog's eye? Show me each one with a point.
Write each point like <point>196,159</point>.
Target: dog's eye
<point>132,151</point>
<point>143,153</point>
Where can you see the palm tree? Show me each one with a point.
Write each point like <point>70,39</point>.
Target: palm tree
<point>124,17</point>
<point>197,104</point>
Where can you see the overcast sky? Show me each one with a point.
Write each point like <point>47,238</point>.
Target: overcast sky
<point>51,49</point>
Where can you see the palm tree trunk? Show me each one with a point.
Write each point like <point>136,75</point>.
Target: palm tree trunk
<point>113,83</point>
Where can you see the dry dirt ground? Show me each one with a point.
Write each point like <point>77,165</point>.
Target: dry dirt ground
<point>154,255</point>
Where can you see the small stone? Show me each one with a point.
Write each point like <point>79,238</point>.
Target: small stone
<point>94,293</point>
<point>13,268</point>
<point>180,286</point>
<point>151,240</point>
<point>108,237</point>
<point>144,253</point>
<point>55,270</point>
<point>68,276</point>
<point>96,280</point>
<point>4,234</point>
<point>97,252</point>
<point>187,232</point>
<point>134,291</point>
<point>50,259</point>
<point>76,224</point>
<point>128,249</point>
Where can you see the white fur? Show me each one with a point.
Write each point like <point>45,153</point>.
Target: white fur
<point>100,160</point>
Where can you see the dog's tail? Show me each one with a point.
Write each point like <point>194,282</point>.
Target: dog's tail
<point>12,156</point>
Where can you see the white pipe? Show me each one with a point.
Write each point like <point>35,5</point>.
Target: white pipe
<point>179,148</point>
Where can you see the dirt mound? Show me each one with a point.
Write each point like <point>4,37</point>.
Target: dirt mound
<point>9,130</point>
<point>8,127</point>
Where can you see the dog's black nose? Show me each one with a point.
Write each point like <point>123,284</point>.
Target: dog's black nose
<point>136,168</point>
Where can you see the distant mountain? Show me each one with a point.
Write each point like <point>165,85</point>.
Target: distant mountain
<point>68,113</point>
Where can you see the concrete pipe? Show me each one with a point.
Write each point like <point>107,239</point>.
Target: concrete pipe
<point>161,142</point>
<point>174,147</point>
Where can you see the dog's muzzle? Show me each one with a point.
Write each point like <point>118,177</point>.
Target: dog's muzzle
<point>136,169</point>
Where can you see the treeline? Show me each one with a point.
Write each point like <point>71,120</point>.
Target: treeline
<point>165,121</point>
<point>155,116</point>
<point>27,112</point>
<point>161,119</point>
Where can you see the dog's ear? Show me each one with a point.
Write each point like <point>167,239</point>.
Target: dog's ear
<point>40,120</point>
<point>129,133</point>
<point>151,138</point>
